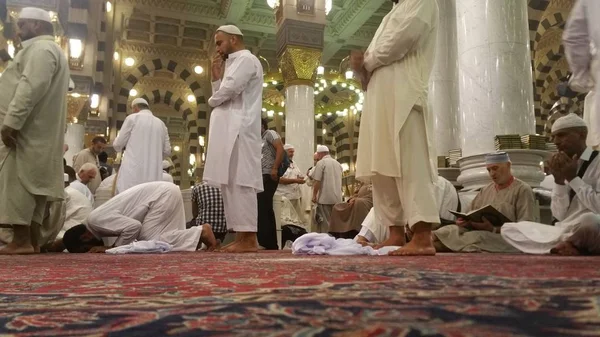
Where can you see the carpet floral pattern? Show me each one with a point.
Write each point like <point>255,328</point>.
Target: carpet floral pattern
<point>278,294</point>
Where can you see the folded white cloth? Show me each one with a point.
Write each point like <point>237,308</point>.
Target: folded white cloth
<point>325,244</point>
<point>142,247</point>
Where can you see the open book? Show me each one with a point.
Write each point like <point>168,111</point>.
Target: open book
<point>489,212</point>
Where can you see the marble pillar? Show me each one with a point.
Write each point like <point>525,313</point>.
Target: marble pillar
<point>443,83</point>
<point>494,72</point>
<point>74,137</point>
<point>300,123</point>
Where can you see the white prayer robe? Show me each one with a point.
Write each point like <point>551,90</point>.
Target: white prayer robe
<point>536,238</point>
<point>77,211</point>
<point>401,57</point>
<point>581,35</point>
<point>233,159</point>
<point>149,211</point>
<point>145,139</point>
<point>83,189</point>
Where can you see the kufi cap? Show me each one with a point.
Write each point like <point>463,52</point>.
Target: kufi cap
<point>288,146</point>
<point>166,164</point>
<point>569,121</point>
<point>496,158</point>
<point>34,13</point>
<point>139,101</point>
<point>322,148</point>
<point>66,177</point>
<point>230,29</point>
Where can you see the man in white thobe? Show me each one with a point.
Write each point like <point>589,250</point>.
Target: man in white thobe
<point>327,187</point>
<point>395,148</point>
<point>149,211</point>
<point>145,139</point>
<point>290,185</point>
<point>581,39</point>
<point>575,198</point>
<point>90,155</point>
<point>374,231</point>
<point>86,174</point>
<point>166,165</point>
<point>233,160</point>
<point>33,90</point>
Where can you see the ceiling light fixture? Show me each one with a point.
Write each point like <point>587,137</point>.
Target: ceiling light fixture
<point>129,61</point>
<point>198,70</point>
<point>191,98</point>
<point>133,92</point>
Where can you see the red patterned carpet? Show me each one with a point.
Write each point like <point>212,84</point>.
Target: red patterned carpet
<point>278,294</point>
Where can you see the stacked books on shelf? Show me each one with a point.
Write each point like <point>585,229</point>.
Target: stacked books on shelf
<point>453,157</point>
<point>551,147</point>
<point>507,142</point>
<point>533,142</point>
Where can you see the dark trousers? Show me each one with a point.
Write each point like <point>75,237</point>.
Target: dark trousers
<point>267,227</point>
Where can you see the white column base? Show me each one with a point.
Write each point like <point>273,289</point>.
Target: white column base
<point>525,166</point>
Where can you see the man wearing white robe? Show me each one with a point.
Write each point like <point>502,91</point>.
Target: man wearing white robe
<point>166,165</point>
<point>290,186</point>
<point>575,198</point>
<point>86,174</point>
<point>149,211</point>
<point>33,90</point>
<point>233,160</point>
<point>145,139</point>
<point>395,147</point>
<point>581,39</point>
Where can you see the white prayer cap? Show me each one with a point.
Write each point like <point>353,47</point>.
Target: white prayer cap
<point>66,177</point>
<point>496,158</point>
<point>166,164</point>
<point>230,29</point>
<point>34,13</point>
<point>139,101</point>
<point>569,121</point>
<point>322,148</point>
<point>288,146</point>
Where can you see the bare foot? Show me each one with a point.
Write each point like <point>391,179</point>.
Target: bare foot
<point>396,238</point>
<point>208,238</point>
<point>13,249</point>
<point>244,243</point>
<point>565,249</point>
<point>362,240</point>
<point>420,244</point>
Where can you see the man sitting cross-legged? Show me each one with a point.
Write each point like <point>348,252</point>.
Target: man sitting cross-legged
<point>575,198</point>
<point>149,211</point>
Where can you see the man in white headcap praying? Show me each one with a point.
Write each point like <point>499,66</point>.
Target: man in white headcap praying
<point>395,148</point>
<point>144,139</point>
<point>507,194</point>
<point>233,160</point>
<point>33,90</point>
<point>575,198</point>
<point>290,184</point>
<point>327,187</point>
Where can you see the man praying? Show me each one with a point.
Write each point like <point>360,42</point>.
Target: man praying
<point>90,155</point>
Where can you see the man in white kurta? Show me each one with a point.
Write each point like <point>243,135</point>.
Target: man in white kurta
<point>145,139</point>
<point>290,186</point>
<point>575,198</point>
<point>149,211</point>
<point>90,156</point>
<point>33,107</point>
<point>395,148</point>
<point>233,160</point>
<point>86,175</point>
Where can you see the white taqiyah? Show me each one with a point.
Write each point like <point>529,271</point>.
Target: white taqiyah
<point>139,101</point>
<point>33,13</point>
<point>166,164</point>
<point>230,29</point>
<point>288,146</point>
<point>322,148</point>
<point>567,122</point>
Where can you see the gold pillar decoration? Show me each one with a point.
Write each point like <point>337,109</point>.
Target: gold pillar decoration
<point>299,65</point>
<point>74,106</point>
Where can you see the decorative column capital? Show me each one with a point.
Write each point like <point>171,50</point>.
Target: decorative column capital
<point>299,64</point>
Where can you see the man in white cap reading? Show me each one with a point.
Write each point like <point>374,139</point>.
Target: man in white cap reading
<point>327,187</point>
<point>395,148</point>
<point>508,195</point>
<point>33,90</point>
<point>145,140</point>
<point>290,184</point>
<point>233,160</point>
<point>575,198</point>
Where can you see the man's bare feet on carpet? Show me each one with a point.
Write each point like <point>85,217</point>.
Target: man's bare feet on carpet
<point>565,249</point>
<point>244,243</point>
<point>420,244</point>
<point>396,238</point>
<point>14,249</point>
<point>208,238</point>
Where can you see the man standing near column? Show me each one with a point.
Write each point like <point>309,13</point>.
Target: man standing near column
<point>33,91</point>
<point>327,187</point>
<point>290,184</point>
<point>146,141</point>
<point>90,155</point>
<point>395,149</point>
<point>233,160</point>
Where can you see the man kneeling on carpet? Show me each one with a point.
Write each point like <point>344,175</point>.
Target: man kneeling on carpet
<point>575,198</point>
<point>150,211</point>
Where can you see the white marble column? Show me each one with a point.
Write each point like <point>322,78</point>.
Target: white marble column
<point>74,137</point>
<point>443,83</point>
<point>494,69</point>
<point>300,123</point>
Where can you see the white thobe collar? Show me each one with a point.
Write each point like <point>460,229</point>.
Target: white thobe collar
<point>36,39</point>
<point>587,153</point>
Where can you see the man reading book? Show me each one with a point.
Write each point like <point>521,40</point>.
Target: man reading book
<point>506,195</point>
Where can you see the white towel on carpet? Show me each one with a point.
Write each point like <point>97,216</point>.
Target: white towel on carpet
<point>142,247</point>
<point>325,244</point>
